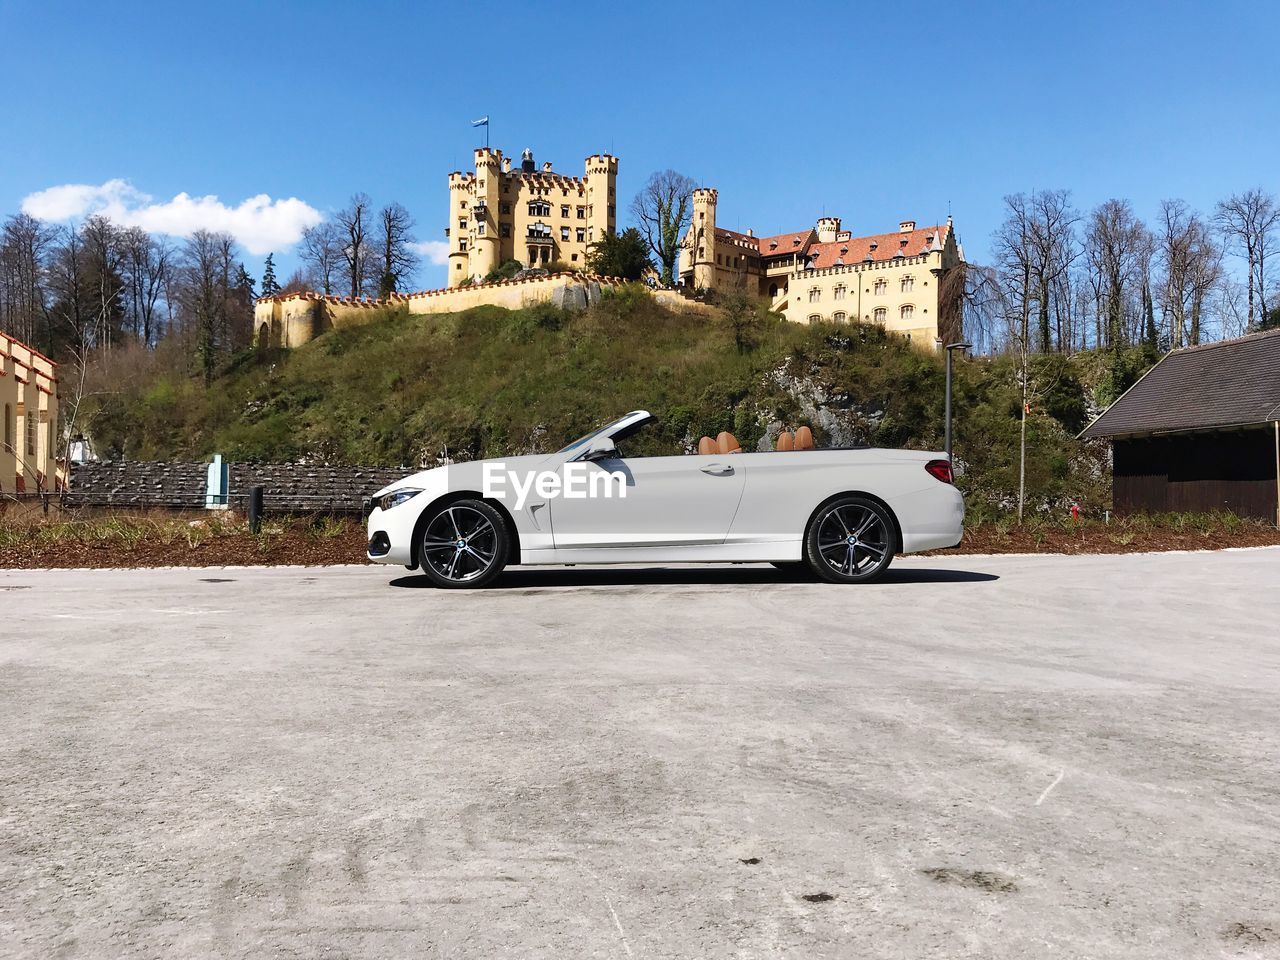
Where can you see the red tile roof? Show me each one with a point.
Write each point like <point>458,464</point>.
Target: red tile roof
<point>786,243</point>
<point>886,246</point>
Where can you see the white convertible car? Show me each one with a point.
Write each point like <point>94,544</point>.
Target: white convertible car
<point>844,513</point>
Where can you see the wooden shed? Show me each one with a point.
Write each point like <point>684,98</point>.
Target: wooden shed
<point>1200,432</point>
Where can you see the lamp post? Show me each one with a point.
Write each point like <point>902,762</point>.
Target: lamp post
<point>950,347</point>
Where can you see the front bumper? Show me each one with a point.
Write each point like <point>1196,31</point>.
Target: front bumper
<point>390,532</point>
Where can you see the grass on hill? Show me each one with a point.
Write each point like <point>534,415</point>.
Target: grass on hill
<point>407,389</point>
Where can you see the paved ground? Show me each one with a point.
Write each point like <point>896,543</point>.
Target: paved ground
<point>982,757</point>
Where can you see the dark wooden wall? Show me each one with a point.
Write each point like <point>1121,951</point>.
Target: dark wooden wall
<point>1232,471</point>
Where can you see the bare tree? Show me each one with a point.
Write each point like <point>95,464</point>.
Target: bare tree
<point>397,261</point>
<point>1115,241</point>
<point>1190,265</point>
<point>662,209</point>
<point>212,307</point>
<point>147,264</point>
<point>356,243</point>
<point>322,253</point>
<point>1248,222</point>
<point>1051,237</point>
<point>24,245</point>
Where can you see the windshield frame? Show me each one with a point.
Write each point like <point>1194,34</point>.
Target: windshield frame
<point>609,429</point>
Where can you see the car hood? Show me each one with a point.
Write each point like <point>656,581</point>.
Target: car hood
<point>468,475</point>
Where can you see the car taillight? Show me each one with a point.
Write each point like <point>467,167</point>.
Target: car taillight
<point>940,469</point>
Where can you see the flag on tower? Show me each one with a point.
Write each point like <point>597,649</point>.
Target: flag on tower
<point>482,122</point>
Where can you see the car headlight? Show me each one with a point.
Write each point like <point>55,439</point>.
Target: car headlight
<point>397,497</point>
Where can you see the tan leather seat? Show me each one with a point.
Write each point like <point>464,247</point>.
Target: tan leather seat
<point>708,447</point>
<point>727,443</point>
<point>804,439</point>
<point>786,441</point>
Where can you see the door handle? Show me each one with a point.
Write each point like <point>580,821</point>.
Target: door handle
<point>717,469</point>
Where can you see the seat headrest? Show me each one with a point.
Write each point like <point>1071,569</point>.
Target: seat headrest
<point>786,441</point>
<point>708,447</point>
<point>804,439</point>
<point>727,443</point>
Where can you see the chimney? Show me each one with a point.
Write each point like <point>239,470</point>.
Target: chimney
<point>506,164</point>
<point>906,226</point>
<point>546,166</point>
<point>526,161</point>
<point>749,233</point>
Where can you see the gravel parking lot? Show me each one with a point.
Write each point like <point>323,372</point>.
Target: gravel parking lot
<point>980,757</point>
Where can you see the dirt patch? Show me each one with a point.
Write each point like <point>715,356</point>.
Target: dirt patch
<point>819,897</point>
<point>974,879</point>
<point>1250,934</point>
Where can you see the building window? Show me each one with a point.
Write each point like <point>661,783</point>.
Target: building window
<point>907,284</point>
<point>582,213</point>
<point>574,258</point>
<point>479,229</point>
<point>907,311</point>
<point>815,318</point>
<point>582,235</point>
<point>815,294</point>
<point>505,208</point>
<point>719,260</point>
<point>30,419</point>
<point>773,290</point>
<point>539,208</point>
<point>564,233</point>
<point>840,291</point>
<point>506,229</point>
<point>839,317</point>
<point>882,286</point>
<point>462,225</point>
<point>564,210</point>
<point>462,245</point>
<point>881,314</point>
<point>457,266</point>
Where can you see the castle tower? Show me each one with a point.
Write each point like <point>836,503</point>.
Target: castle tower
<point>704,238</point>
<point>828,228</point>
<point>459,227</point>
<point>486,252</point>
<point>602,198</point>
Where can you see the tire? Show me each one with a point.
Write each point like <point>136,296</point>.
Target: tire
<point>464,545</point>
<point>851,539</point>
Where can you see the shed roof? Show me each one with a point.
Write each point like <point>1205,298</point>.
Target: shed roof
<point>1233,383</point>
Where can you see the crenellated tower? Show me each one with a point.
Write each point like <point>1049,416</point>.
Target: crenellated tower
<point>703,229</point>
<point>486,252</point>
<point>460,185</point>
<point>602,195</point>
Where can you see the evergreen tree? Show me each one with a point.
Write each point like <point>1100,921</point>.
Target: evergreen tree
<point>624,255</point>
<point>269,286</point>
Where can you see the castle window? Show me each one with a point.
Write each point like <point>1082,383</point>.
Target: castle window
<point>462,224</point>
<point>719,260</point>
<point>839,317</point>
<point>564,210</point>
<point>907,284</point>
<point>582,235</point>
<point>815,318</point>
<point>773,289</point>
<point>881,314</point>
<point>464,204</point>
<point>479,229</point>
<point>539,208</point>
<point>582,213</point>
<point>31,431</point>
<point>815,294</point>
<point>574,258</point>
<point>882,286</point>
<point>840,291</point>
<point>506,229</point>
<point>506,209</point>
<point>462,245</point>
<point>907,311</point>
<point>564,233</point>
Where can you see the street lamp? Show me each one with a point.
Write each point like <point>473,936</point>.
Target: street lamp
<point>962,346</point>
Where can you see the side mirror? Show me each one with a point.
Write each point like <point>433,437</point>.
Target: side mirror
<point>601,448</point>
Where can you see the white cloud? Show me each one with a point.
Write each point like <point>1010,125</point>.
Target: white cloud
<point>435,251</point>
<point>259,223</point>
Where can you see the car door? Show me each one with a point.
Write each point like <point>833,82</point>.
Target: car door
<point>672,502</point>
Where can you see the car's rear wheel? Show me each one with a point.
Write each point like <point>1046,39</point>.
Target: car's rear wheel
<point>464,545</point>
<point>851,540</point>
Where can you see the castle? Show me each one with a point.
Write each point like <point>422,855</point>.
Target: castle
<point>535,216</point>
<point>907,282</point>
<point>29,408</point>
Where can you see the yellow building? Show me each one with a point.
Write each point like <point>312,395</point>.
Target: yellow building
<point>531,214</point>
<point>29,408</point>
<point>907,281</point>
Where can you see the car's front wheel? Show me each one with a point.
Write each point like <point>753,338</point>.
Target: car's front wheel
<point>464,544</point>
<point>851,540</point>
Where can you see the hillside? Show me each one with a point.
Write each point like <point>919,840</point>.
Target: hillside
<point>408,389</point>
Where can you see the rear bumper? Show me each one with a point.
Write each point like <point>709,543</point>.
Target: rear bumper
<point>932,519</point>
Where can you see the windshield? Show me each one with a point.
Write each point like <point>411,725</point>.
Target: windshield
<point>594,433</point>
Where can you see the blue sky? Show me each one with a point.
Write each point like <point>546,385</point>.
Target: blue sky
<point>875,113</point>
